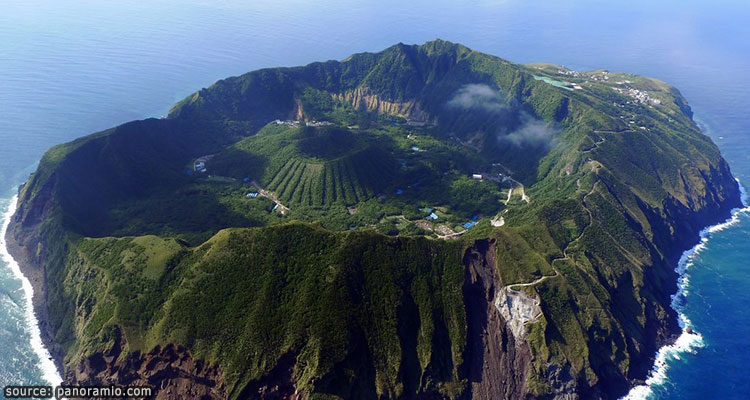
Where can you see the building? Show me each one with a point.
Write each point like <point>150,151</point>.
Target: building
<point>432,217</point>
<point>477,176</point>
<point>469,224</point>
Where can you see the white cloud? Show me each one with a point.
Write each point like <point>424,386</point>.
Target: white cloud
<point>477,96</point>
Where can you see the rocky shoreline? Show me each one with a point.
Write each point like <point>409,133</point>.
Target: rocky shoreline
<point>22,239</point>
<point>34,272</point>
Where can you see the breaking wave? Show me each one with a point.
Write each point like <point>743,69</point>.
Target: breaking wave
<point>46,365</point>
<point>689,340</point>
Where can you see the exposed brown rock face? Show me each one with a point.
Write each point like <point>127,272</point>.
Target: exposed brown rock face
<point>363,98</point>
<point>277,384</point>
<point>496,365</point>
<point>171,370</point>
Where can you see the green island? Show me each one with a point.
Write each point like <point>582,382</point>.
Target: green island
<point>424,222</point>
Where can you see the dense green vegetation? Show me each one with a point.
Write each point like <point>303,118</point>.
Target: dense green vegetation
<point>590,186</point>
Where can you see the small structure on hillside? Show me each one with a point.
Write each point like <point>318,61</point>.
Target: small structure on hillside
<point>432,217</point>
<point>318,123</point>
<point>477,176</point>
<point>469,224</point>
<point>199,165</point>
<point>251,195</point>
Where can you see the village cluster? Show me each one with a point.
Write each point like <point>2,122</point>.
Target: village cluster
<point>640,96</point>
<point>298,122</point>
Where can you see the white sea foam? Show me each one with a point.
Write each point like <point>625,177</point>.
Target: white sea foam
<point>686,342</point>
<point>46,365</point>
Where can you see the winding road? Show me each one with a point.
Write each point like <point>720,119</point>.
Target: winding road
<point>565,256</point>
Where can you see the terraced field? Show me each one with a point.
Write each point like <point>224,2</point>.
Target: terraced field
<point>312,166</point>
<point>345,180</point>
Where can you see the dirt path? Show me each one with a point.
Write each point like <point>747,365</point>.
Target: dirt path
<point>524,197</point>
<point>519,187</point>
<point>452,235</point>
<point>603,139</point>
<point>265,193</point>
<point>565,255</point>
<point>510,193</point>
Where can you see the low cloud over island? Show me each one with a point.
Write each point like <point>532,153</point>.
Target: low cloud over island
<point>527,130</point>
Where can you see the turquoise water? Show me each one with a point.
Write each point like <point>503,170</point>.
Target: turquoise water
<point>71,67</point>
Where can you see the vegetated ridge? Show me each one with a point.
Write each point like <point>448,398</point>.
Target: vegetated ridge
<point>423,222</point>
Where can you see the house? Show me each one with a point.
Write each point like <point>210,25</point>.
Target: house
<point>318,123</point>
<point>477,176</point>
<point>399,192</point>
<point>469,224</point>
<point>432,217</point>
<point>426,209</point>
<point>251,195</point>
<point>415,148</point>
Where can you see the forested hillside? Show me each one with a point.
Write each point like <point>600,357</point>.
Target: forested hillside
<point>423,222</point>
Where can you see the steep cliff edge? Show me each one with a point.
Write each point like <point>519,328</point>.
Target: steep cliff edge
<point>498,361</point>
<point>193,291</point>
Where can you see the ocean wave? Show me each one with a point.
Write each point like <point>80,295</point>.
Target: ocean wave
<point>689,340</point>
<point>46,365</point>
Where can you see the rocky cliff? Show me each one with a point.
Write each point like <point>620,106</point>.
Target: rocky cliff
<point>570,298</point>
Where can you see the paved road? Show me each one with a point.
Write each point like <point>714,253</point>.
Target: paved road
<point>565,255</point>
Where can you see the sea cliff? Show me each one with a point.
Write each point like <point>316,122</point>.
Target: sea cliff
<point>568,298</point>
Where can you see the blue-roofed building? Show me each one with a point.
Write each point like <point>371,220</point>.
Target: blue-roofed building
<point>415,148</point>
<point>246,180</point>
<point>252,195</point>
<point>432,217</point>
<point>399,192</point>
<point>469,224</point>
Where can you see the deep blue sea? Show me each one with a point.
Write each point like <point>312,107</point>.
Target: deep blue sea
<point>72,67</point>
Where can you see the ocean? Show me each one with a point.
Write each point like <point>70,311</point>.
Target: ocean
<point>72,67</point>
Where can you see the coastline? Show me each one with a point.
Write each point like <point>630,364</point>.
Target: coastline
<point>33,286</point>
<point>689,340</point>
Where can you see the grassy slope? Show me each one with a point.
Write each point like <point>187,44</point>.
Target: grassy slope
<point>220,294</point>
